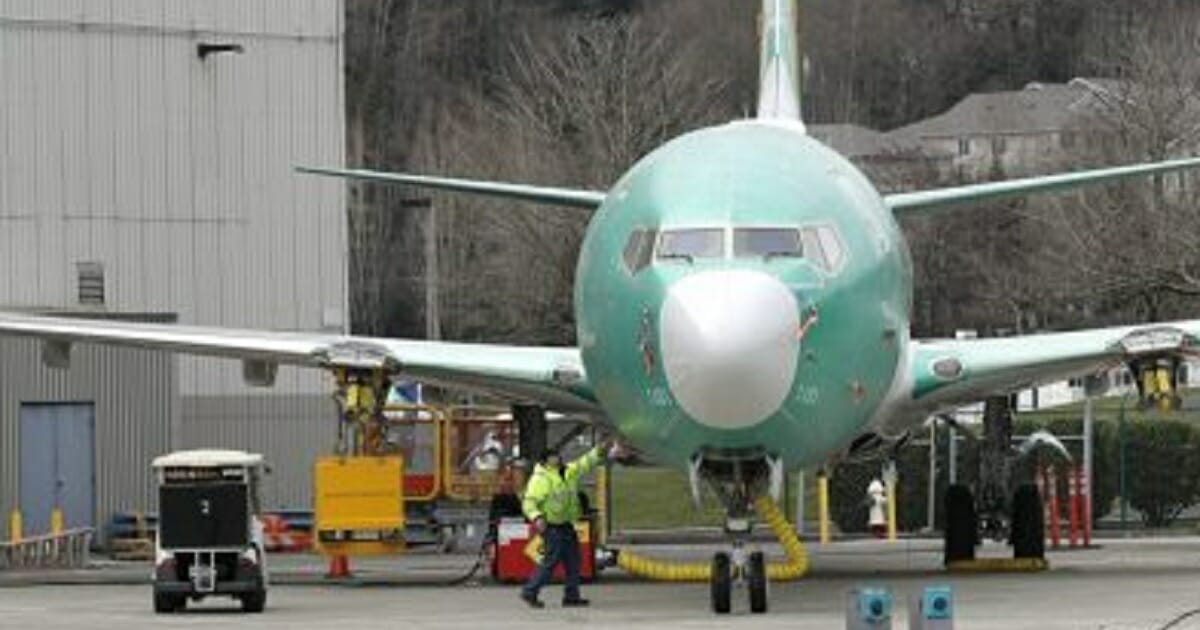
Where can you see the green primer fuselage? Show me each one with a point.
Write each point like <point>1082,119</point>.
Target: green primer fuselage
<point>745,174</point>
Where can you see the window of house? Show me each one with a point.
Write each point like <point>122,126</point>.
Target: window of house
<point>964,146</point>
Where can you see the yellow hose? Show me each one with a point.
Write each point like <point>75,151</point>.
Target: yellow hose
<point>797,559</point>
<point>661,570</point>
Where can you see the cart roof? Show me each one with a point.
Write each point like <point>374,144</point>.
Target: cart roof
<point>207,458</point>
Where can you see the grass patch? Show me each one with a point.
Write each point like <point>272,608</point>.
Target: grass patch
<point>660,498</point>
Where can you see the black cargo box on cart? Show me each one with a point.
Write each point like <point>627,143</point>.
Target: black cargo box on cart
<point>203,516</point>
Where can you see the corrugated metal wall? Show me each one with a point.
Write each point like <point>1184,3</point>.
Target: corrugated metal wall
<point>137,412</point>
<point>119,144</point>
<point>289,431</point>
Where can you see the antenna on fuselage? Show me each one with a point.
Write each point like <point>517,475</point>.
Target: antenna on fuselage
<point>779,66</point>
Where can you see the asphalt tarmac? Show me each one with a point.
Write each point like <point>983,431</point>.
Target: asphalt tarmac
<point>1126,584</point>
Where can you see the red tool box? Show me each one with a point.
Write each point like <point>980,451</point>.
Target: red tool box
<point>518,550</point>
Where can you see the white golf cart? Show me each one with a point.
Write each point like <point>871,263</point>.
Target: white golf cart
<point>210,536</point>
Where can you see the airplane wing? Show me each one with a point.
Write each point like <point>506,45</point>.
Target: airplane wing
<point>536,194</point>
<point>903,204</point>
<point>950,373</point>
<point>553,376</point>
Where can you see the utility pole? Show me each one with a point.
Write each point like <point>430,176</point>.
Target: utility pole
<point>433,317</point>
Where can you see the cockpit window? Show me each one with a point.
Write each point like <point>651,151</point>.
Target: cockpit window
<point>832,245</point>
<point>691,244</point>
<point>823,247</point>
<point>812,248</point>
<point>639,249</point>
<point>767,243</point>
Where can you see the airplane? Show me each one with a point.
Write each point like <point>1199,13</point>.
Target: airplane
<point>743,299</point>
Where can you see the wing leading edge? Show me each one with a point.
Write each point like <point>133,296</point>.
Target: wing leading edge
<point>554,376</point>
<point>949,373</point>
<point>907,203</point>
<point>537,194</point>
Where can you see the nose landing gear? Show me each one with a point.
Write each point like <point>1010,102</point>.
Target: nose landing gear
<point>738,569</point>
<point>744,483</point>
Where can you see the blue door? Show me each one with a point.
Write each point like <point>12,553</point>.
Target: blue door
<point>57,465</point>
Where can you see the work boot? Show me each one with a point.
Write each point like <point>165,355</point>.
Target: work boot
<point>532,600</point>
<point>577,602</point>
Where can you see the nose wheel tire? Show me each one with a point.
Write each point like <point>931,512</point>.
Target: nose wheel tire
<point>721,583</point>
<point>756,581</point>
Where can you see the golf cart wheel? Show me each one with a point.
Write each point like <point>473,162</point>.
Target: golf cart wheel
<point>168,603</point>
<point>961,532</point>
<point>254,601</point>
<point>1028,535</point>
<point>721,582</point>
<point>757,582</point>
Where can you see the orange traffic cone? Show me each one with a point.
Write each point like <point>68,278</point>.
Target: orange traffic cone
<point>339,567</point>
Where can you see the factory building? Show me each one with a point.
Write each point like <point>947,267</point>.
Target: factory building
<point>146,154</point>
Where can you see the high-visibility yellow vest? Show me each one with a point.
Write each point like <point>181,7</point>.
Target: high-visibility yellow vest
<point>554,495</point>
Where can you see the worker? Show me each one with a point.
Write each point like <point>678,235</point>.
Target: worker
<point>551,503</point>
<point>488,455</point>
<point>876,501</point>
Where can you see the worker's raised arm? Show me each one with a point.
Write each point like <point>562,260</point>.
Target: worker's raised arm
<point>583,465</point>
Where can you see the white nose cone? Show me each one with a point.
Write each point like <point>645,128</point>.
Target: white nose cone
<point>729,344</point>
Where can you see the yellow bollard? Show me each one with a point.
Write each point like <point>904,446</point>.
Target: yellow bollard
<point>56,521</point>
<point>891,508</point>
<point>823,507</point>
<point>14,526</point>
<point>601,532</point>
<point>1165,389</point>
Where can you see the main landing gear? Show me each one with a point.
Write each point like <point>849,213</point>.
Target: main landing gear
<point>996,513</point>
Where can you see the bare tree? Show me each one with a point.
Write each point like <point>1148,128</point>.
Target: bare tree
<point>1132,248</point>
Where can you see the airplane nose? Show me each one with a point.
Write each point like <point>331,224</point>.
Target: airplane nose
<point>729,342</point>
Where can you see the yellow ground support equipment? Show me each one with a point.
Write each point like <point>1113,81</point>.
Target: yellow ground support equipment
<point>795,567</point>
<point>998,565</point>
<point>415,432</point>
<point>359,505</point>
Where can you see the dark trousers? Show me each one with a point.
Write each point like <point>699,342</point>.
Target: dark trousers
<point>560,544</point>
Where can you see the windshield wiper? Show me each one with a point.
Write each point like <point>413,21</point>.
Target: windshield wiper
<point>677,256</point>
